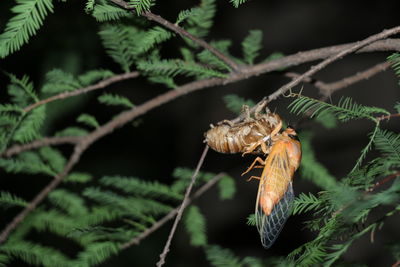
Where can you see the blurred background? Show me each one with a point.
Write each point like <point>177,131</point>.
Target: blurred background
<point>172,135</point>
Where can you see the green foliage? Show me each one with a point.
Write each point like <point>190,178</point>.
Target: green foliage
<point>30,125</point>
<point>185,14</point>
<point>251,220</point>
<point>327,119</point>
<point>140,6</point>
<point>389,144</point>
<point>304,203</point>
<point>345,110</point>
<point>196,226</point>
<point>138,187</point>
<point>69,202</point>
<point>209,59</point>
<point>89,120</point>
<point>27,162</point>
<point>251,46</point>
<point>34,254</point>
<point>395,60</point>
<point>21,90</point>
<point>151,38</point>
<point>200,21</point>
<point>100,214</point>
<point>58,81</point>
<point>97,253</point>
<point>237,3</point>
<point>235,103</point>
<point>72,131</point>
<point>397,107</point>
<point>53,158</point>
<point>105,12</point>
<point>78,177</point>
<point>29,17</point>
<point>174,67</point>
<point>118,41</point>
<point>221,257</point>
<point>115,100</point>
<point>7,200</point>
<point>183,177</point>
<point>93,76</point>
<point>310,168</point>
<point>227,188</point>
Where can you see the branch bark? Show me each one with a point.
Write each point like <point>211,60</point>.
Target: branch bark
<point>99,85</point>
<point>332,53</point>
<point>178,217</point>
<point>327,89</point>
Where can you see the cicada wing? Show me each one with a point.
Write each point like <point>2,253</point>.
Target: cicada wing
<point>269,226</point>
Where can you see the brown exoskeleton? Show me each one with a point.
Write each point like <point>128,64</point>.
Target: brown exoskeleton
<point>250,135</point>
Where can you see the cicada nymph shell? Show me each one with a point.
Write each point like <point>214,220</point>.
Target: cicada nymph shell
<point>250,135</point>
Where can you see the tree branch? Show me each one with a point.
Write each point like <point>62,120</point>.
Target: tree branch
<point>314,69</point>
<point>327,89</point>
<point>247,72</point>
<point>178,217</point>
<point>46,141</point>
<point>137,239</point>
<point>99,85</point>
<point>175,28</point>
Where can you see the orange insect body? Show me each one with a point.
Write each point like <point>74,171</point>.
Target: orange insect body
<point>251,135</point>
<point>275,192</point>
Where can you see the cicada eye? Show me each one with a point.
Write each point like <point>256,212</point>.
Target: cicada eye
<point>294,137</point>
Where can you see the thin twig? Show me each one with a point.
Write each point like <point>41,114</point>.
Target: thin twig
<point>42,194</point>
<point>327,89</point>
<point>137,239</point>
<point>331,59</point>
<point>249,71</point>
<point>46,141</point>
<point>381,182</point>
<point>177,29</point>
<point>387,117</point>
<point>125,117</point>
<point>99,85</point>
<point>178,217</point>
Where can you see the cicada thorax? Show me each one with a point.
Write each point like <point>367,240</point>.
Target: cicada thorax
<point>251,135</point>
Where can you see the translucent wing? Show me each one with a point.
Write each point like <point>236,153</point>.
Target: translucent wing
<point>269,226</point>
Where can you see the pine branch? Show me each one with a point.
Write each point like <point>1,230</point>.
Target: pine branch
<point>177,29</point>
<point>100,85</point>
<point>46,141</point>
<point>84,142</point>
<point>29,17</point>
<point>327,89</point>
<point>163,255</point>
<point>326,62</point>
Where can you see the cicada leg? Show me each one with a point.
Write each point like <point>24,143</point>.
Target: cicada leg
<point>253,146</point>
<point>252,166</point>
<point>253,177</point>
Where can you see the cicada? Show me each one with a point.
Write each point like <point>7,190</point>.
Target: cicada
<point>251,135</point>
<point>275,191</point>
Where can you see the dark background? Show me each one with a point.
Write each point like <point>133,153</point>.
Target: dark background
<point>171,135</point>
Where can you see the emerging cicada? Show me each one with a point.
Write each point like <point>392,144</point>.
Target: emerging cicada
<point>275,191</point>
<point>251,135</point>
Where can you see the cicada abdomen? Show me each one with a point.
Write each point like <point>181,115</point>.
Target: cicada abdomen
<point>275,192</point>
<point>252,135</point>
